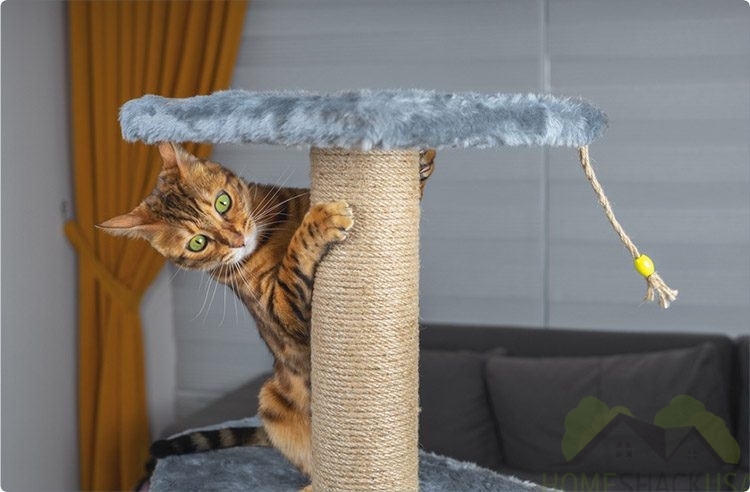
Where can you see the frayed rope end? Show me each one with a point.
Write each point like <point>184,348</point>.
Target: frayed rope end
<point>656,286</point>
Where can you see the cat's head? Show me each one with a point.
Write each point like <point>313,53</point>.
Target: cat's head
<point>198,215</point>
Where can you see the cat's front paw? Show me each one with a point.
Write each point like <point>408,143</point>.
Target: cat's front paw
<point>333,220</point>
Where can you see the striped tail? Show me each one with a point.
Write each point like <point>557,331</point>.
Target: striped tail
<point>200,441</point>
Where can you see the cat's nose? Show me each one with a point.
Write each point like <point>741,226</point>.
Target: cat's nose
<point>235,240</point>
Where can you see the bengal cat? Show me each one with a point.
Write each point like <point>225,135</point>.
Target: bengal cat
<point>265,243</point>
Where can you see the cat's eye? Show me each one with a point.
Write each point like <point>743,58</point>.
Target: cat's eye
<point>223,202</point>
<point>197,243</point>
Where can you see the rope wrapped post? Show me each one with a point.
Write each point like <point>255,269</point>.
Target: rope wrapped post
<point>365,330</point>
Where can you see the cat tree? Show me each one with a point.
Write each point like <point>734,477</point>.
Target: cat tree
<point>365,150</point>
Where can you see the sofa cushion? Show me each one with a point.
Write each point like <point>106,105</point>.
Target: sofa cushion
<point>456,419</point>
<point>562,412</point>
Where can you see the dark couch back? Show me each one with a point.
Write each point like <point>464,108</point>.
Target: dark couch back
<point>539,342</point>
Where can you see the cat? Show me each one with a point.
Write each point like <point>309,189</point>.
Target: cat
<point>265,243</point>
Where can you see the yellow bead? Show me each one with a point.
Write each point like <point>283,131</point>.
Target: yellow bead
<point>644,265</point>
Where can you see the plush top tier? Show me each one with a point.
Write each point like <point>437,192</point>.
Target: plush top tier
<point>365,119</point>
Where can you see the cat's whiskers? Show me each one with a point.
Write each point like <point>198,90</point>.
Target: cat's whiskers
<point>204,278</point>
<point>274,229</point>
<point>235,290</point>
<point>273,193</point>
<point>227,287</point>
<point>243,275</point>
<point>294,197</point>
<point>224,290</point>
<point>178,269</point>
<point>264,226</point>
<point>240,276</point>
<point>211,299</point>
<point>269,211</point>
<point>267,199</point>
<point>213,295</point>
<point>205,297</point>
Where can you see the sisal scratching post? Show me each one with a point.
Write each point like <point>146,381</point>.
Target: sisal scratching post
<point>365,325</point>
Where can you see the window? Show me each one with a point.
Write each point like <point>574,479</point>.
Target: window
<point>623,450</point>
<point>692,455</point>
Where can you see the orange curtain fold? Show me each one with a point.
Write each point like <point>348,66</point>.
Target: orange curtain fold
<point>120,50</point>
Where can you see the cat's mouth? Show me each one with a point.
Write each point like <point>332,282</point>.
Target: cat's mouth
<point>241,254</point>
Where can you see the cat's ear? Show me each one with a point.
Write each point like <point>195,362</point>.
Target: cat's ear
<point>132,224</point>
<point>175,157</point>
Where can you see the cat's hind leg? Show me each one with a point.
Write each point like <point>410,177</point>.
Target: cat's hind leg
<point>285,413</point>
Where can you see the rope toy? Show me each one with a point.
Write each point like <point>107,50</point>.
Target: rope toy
<point>643,264</point>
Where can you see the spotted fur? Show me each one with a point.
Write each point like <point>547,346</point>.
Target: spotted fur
<point>266,248</point>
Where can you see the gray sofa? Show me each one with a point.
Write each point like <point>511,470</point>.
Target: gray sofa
<point>576,409</point>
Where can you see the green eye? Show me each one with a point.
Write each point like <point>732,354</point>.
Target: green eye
<point>197,243</point>
<point>223,203</point>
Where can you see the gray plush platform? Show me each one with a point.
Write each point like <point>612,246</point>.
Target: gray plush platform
<point>365,119</point>
<point>256,468</point>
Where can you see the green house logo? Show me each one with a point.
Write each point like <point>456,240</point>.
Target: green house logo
<point>683,433</point>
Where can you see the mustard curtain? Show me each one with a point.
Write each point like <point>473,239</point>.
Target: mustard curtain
<point>118,51</point>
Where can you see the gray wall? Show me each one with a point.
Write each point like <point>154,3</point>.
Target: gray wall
<point>515,236</point>
<point>160,352</point>
<point>674,77</point>
<point>39,424</point>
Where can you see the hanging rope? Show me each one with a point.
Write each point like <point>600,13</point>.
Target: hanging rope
<point>654,283</point>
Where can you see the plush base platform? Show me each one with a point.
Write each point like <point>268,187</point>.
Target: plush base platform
<point>253,468</point>
<point>256,468</point>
